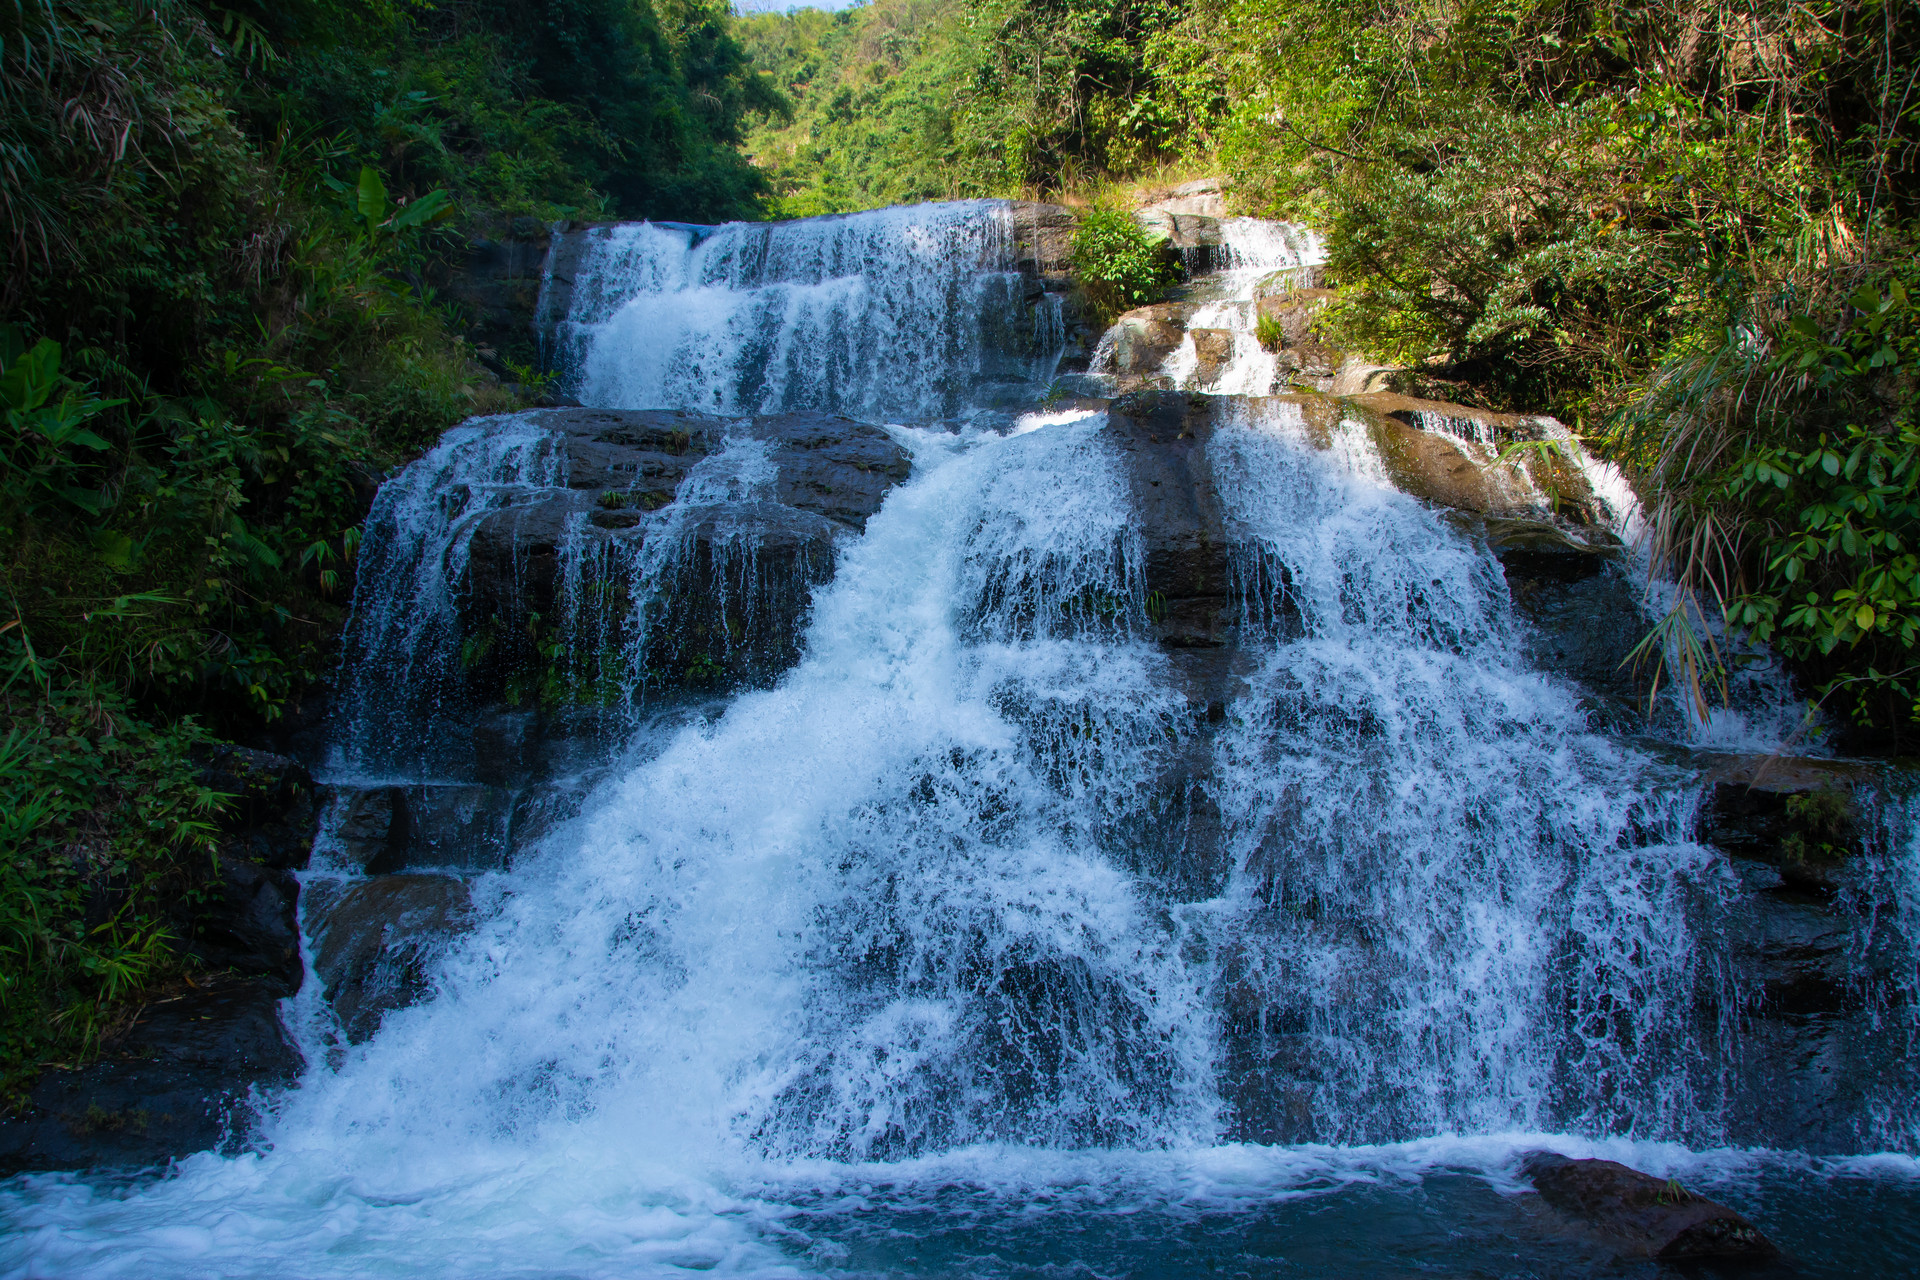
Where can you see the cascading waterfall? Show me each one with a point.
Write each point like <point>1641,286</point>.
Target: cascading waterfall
<point>906,934</point>
<point>1254,257</point>
<point>1463,911</point>
<point>407,708</point>
<point>902,314</point>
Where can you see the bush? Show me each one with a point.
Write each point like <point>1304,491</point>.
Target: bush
<point>1119,263</point>
<point>1822,507</point>
<point>104,829</point>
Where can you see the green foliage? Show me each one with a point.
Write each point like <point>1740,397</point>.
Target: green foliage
<point>42,433</point>
<point>868,105</point>
<point>903,100</point>
<point>101,820</point>
<point>1821,828</point>
<point>1834,522</point>
<point>1119,263</point>
<point>1270,332</point>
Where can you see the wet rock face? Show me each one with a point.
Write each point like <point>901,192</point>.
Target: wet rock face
<point>496,287</point>
<point>173,1082</point>
<point>1794,814</point>
<point>1295,313</point>
<point>1540,519</point>
<point>462,827</point>
<point>735,591</point>
<point>1816,990</point>
<point>1643,1216</point>
<point>378,941</point>
<point>1043,241</point>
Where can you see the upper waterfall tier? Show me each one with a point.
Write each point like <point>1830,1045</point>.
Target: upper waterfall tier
<point>1208,338</point>
<point>910,313</point>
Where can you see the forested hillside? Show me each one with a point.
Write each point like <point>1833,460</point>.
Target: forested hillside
<point>216,333</point>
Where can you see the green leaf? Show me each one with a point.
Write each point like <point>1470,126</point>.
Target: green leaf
<point>371,198</point>
<point>431,207</point>
<point>115,549</point>
<point>1863,617</point>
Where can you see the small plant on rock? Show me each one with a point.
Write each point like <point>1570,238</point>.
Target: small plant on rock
<point>1120,263</point>
<point>1271,333</point>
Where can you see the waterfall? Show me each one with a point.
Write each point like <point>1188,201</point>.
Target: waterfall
<point>900,314</point>
<point>1256,259</point>
<point>995,914</point>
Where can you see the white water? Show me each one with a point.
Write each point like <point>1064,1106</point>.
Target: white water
<point>1256,256</point>
<point>897,920</point>
<point>900,313</point>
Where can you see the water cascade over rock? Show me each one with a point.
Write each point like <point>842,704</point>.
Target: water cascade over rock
<point>905,313</point>
<point>1209,338</point>
<point>1012,819</point>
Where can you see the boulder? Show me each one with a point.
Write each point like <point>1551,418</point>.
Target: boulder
<point>1141,339</point>
<point>247,923</point>
<point>375,945</point>
<point>173,1081</point>
<point>1203,197</point>
<point>1640,1215</point>
<point>1212,349</point>
<point>383,829</point>
<point>1292,316</point>
<point>1182,231</point>
<point>1451,456</point>
<point>1541,550</point>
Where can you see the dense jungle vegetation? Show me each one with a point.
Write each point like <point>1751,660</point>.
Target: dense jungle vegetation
<point>1686,227</point>
<point>221,221</point>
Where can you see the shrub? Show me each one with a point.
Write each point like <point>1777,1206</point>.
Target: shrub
<point>1119,263</point>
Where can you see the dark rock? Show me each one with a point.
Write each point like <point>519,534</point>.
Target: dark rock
<point>445,825</point>
<point>496,288</point>
<point>173,1082</point>
<point>360,823</point>
<point>732,600</point>
<point>1795,813</point>
<point>1541,550</point>
<point>247,922</point>
<point>377,943</point>
<point>1643,1216</point>
<point>1162,439</point>
<point>271,817</point>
